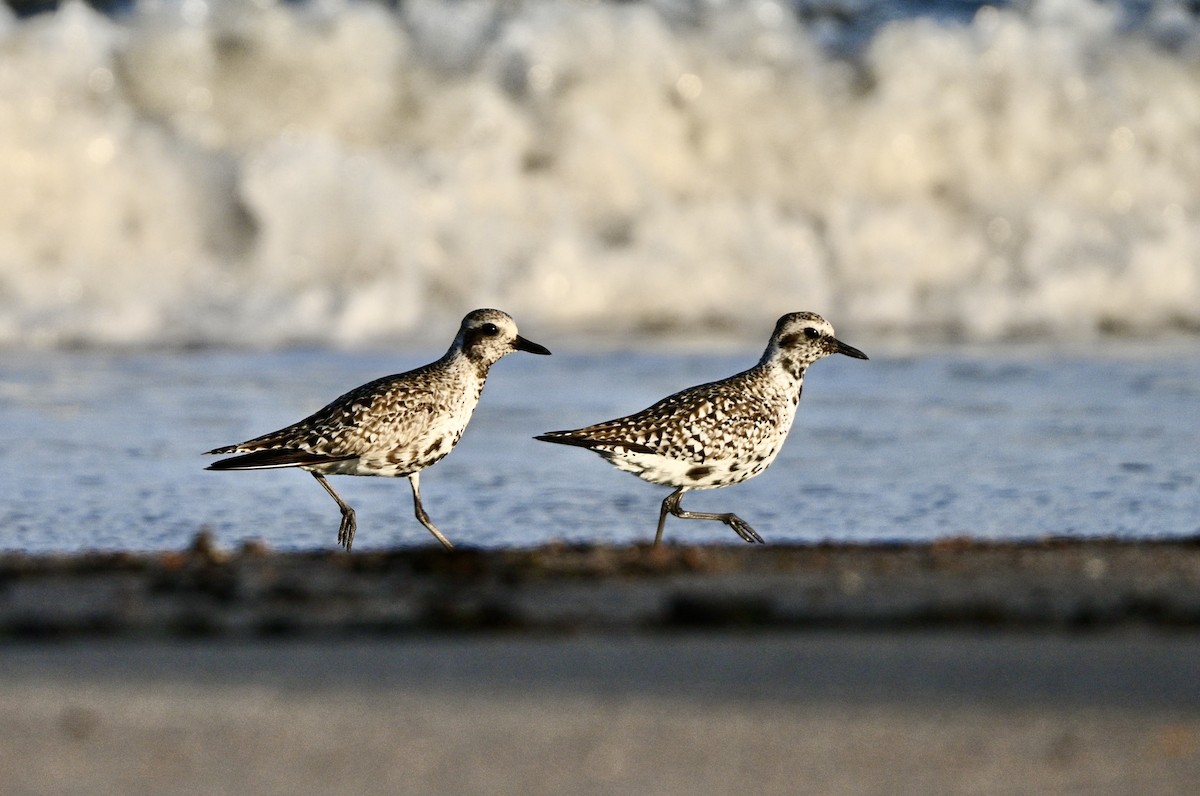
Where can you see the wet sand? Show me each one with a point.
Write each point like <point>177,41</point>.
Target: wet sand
<point>255,593</point>
<point>1055,667</point>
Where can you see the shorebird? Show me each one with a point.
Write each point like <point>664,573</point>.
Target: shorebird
<point>394,426</point>
<point>719,433</point>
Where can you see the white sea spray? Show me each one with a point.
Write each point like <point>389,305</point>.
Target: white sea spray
<point>260,173</point>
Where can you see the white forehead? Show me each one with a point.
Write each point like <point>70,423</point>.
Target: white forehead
<point>479,317</point>
<point>799,321</point>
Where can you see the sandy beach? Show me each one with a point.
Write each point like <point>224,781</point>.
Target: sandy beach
<point>1053,667</point>
<point>981,569</point>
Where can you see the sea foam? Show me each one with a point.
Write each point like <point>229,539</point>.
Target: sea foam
<point>252,173</point>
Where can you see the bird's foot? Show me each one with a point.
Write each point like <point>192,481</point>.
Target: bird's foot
<point>742,529</point>
<point>346,529</point>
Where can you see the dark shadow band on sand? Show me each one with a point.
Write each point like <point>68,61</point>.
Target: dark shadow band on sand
<point>252,593</point>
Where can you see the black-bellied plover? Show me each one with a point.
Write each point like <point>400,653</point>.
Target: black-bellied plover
<point>394,426</point>
<point>719,433</point>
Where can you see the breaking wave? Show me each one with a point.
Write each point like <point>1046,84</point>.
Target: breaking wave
<point>250,173</point>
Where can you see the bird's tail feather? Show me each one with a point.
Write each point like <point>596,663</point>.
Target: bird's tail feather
<point>565,438</point>
<point>271,459</point>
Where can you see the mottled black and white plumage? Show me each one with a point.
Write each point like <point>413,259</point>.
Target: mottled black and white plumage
<point>719,433</point>
<point>394,426</point>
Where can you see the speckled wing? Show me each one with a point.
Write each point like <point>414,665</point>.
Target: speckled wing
<point>389,413</point>
<point>717,420</point>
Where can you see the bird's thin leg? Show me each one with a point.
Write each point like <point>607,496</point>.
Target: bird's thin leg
<point>669,504</point>
<point>414,480</point>
<point>349,523</point>
<point>739,526</point>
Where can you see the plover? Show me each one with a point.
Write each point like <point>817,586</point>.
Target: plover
<point>394,426</point>
<point>719,433</point>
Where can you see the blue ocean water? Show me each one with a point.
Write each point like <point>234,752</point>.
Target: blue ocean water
<point>218,215</point>
<point>102,451</point>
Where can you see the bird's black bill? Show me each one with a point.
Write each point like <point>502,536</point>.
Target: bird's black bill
<point>521,344</point>
<point>841,348</point>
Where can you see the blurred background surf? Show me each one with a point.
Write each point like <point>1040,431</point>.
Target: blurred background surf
<point>262,174</point>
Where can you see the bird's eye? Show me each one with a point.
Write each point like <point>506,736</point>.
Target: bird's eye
<point>811,333</point>
<point>490,329</point>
